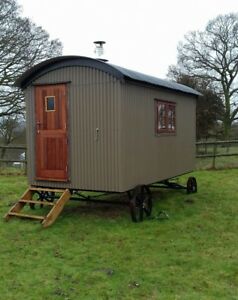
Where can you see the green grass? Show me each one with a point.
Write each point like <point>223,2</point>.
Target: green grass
<point>11,171</point>
<point>223,162</point>
<point>96,252</point>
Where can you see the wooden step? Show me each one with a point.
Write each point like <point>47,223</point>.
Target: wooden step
<point>26,216</point>
<point>56,207</point>
<point>56,210</point>
<point>37,202</point>
<point>37,189</point>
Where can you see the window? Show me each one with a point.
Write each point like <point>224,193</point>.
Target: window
<point>165,117</point>
<point>50,103</point>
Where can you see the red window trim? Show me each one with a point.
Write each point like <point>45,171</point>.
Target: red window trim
<point>165,123</point>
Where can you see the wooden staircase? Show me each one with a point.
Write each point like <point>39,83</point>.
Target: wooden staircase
<point>27,198</point>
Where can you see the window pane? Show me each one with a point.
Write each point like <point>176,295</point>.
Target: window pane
<point>171,117</point>
<point>50,103</point>
<point>165,117</point>
<point>161,116</point>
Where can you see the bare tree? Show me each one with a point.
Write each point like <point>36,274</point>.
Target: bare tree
<point>212,54</point>
<point>210,109</point>
<point>22,44</point>
<point>11,128</point>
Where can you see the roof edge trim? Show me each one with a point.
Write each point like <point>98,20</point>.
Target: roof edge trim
<point>118,72</point>
<point>60,62</point>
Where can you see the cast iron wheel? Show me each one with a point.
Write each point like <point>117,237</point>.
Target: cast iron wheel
<point>147,200</point>
<point>47,196</point>
<point>191,185</point>
<point>43,196</point>
<point>140,203</point>
<point>136,208</point>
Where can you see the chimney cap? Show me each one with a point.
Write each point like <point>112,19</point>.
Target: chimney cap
<point>100,43</point>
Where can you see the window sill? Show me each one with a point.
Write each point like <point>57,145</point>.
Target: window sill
<point>165,134</point>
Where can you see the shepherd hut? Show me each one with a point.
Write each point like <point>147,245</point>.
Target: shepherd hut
<point>95,126</point>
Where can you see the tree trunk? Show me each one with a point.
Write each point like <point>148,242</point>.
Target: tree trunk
<point>227,117</point>
<point>3,152</point>
<point>227,128</point>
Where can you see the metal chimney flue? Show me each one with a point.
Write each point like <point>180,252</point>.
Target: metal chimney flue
<point>99,50</point>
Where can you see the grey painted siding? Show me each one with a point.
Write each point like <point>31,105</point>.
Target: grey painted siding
<point>146,157</point>
<point>93,102</point>
<point>125,152</point>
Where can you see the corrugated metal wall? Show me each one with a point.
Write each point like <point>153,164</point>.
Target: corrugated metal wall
<point>94,116</point>
<point>147,157</point>
<point>112,140</point>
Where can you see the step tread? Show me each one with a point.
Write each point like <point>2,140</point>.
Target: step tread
<point>32,188</point>
<point>37,202</point>
<point>26,216</point>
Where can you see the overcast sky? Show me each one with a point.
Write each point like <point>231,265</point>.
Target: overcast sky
<point>140,34</point>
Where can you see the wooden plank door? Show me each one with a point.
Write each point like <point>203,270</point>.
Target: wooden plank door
<point>51,132</point>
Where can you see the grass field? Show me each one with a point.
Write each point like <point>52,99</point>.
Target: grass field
<point>96,252</point>
<point>222,162</point>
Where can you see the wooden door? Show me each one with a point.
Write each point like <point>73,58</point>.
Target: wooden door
<point>51,132</point>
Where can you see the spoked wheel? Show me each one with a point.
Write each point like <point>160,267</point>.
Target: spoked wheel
<point>47,196</point>
<point>43,196</point>
<point>140,203</point>
<point>191,185</point>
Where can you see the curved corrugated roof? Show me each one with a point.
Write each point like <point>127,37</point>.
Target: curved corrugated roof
<point>121,73</point>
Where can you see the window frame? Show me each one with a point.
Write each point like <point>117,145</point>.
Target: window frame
<point>46,104</point>
<point>166,125</point>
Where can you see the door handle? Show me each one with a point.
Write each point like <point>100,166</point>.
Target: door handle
<point>38,125</point>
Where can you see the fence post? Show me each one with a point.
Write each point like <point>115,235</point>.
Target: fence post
<point>12,160</point>
<point>25,164</point>
<point>214,155</point>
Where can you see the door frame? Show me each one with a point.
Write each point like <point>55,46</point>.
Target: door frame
<point>35,86</point>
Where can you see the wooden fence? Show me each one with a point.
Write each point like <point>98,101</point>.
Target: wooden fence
<point>214,149</point>
<point>13,160</point>
<point>206,149</point>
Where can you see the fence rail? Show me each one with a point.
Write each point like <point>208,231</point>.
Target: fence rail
<point>217,142</point>
<point>16,147</point>
<point>13,147</point>
<point>13,160</point>
<point>204,149</point>
<point>213,149</point>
